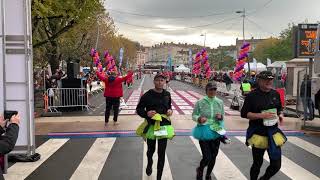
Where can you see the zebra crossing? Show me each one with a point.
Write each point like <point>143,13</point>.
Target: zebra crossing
<point>124,158</point>
<point>182,102</point>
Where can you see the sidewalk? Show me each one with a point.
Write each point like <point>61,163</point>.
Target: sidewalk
<point>45,125</point>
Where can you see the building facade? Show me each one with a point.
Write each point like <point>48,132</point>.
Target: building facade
<point>253,43</point>
<point>159,54</point>
<point>227,50</point>
<point>142,56</point>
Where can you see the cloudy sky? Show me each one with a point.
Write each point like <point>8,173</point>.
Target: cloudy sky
<point>153,21</point>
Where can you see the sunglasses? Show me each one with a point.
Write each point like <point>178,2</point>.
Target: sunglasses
<point>212,89</point>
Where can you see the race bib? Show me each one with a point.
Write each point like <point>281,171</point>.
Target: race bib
<point>272,121</point>
<point>162,132</point>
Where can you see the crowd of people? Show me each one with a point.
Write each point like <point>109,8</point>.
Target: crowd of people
<point>263,133</point>
<point>262,107</point>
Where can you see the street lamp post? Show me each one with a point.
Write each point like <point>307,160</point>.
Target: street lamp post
<point>243,12</point>
<point>204,42</point>
<point>97,40</point>
<point>98,33</point>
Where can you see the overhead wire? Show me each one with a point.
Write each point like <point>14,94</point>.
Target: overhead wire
<point>190,27</point>
<point>183,17</point>
<point>260,8</point>
<point>168,17</point>
<point>259,27</point>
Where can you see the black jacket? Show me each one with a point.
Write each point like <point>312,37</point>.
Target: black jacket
<point>303,88</point>
<point>8,141</point>
<point>151,100</point>
<point>257,101</point>
<point>227,79</point>
<point>317,100</point>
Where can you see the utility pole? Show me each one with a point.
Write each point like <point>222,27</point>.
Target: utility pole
<point>243,12</point>
<point>204,42</point>
<point>98,33</point>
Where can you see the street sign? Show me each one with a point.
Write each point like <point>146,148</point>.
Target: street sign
<point>304,34</point>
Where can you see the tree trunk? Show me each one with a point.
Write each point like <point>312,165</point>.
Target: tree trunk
<point>53,56</point>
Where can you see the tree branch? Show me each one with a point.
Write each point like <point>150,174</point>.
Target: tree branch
<point>63,30</point>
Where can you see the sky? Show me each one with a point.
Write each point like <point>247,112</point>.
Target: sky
<point>153,21</point>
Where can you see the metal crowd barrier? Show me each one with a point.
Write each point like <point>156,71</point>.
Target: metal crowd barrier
<point>67,97</point>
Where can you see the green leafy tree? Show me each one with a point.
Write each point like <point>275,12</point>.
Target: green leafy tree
<point>279,49</point>
<point>53,18</point>
<point>221,60</point>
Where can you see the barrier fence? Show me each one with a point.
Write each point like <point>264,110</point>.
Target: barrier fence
<point>66,97</point>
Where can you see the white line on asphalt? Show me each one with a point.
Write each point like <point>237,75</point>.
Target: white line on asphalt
<point>141,83</point>
<point>24,169</point>
<point>92,164</point>
<point>305,145</point>
<point>167,175</point>
<point>289,168</point>
<point>224,168</point>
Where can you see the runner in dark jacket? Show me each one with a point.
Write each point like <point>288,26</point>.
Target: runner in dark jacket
<point>155,108</point>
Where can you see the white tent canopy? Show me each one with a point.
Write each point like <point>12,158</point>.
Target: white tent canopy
<point>257,67</point>
<point>278,64</point>
<point>182,68</point>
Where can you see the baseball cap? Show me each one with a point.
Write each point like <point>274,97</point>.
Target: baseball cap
<point>159,75</point>
<point>211,85</point>
<point>265,75</point>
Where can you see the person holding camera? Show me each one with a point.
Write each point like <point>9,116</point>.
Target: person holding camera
<point>9,134</point>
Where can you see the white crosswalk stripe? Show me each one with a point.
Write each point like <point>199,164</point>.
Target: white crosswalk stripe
<point>224,168</point>
<point>291,169</point>
<point>96,159</point>
<point>166,169</point>
<point>22,170</point>
<point>305,145</point>
<point>93,162</point>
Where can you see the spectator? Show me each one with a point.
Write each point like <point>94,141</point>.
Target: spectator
<point>228,81</point>
<point>9,139</point>
<point>113,92</point>
<point>305,94</point>
<point>317,101</point>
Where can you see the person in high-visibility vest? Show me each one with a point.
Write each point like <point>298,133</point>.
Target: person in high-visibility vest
<point>245,87</point>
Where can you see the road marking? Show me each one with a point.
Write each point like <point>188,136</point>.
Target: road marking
<point>92,164</point>
<point>23,170</point>
<point>289,168</point>
<point>224,168</point>
<point>127,112</point>
<point>141,83</point>
<point>166,174</point>
<point>305,145</point>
